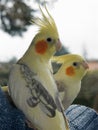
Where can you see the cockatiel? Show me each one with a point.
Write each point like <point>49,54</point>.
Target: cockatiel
<point>68,78</point>
<point>31,83</point>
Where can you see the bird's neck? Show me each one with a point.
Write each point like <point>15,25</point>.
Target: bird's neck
<point>33,60</point>
<point>67,80</point>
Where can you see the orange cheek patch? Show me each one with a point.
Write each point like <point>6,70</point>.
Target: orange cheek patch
<point>70,71</point>
<point>41,47</point>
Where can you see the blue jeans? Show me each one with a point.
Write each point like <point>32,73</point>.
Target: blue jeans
<point>80,117</point>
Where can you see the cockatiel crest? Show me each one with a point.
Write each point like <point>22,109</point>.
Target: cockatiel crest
<point>46,24</point>
<point>65,58</point>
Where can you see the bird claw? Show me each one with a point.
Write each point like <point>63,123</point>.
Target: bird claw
<point>30,125</point>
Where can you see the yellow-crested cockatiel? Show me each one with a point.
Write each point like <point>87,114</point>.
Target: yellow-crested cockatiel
<point>31,84</point>
<point>69,76</point>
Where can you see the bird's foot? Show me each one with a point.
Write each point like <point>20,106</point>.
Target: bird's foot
<point>31,125</point>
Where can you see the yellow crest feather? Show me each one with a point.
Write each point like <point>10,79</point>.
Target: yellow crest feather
<point>46,23</point>
<point>65,58</point>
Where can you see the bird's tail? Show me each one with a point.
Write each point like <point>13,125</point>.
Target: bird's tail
<point>61,109</point>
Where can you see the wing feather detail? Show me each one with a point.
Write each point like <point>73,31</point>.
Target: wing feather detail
<point>39,95</point>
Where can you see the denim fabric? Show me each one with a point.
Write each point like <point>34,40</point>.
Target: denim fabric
<point>10,117</point>
<point>80,117</point>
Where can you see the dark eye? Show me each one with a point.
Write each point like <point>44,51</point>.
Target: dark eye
<point>75,64</point>
<point>49,39</point>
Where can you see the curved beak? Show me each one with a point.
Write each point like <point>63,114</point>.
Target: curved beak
<point>85,65</point>
<point>58,45</point>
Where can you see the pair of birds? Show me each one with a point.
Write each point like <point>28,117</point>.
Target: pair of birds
<point>34,89</point>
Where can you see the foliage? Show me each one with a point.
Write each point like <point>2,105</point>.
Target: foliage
<point>16,15</point>
<point>4,71</point>
<point>89,90</point>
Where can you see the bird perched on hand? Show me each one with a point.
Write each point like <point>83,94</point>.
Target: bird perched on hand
<point>69,76</point>
<point>31,84</point>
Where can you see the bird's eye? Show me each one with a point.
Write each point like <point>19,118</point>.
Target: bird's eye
<point>75,64</point>
<point>49,39</point>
